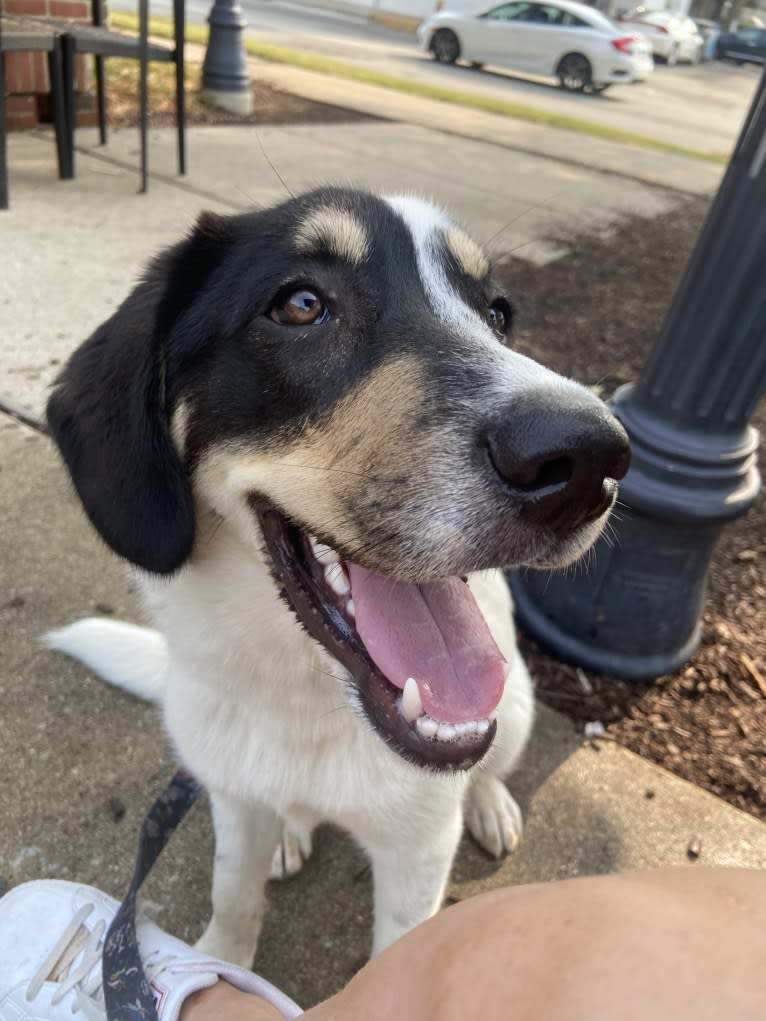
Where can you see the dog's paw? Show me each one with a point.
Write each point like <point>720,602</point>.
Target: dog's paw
<point>492,816</point>
<point>293,849</point>
<point>222,943</point>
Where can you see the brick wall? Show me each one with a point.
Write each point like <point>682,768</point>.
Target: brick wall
<point>26,74</point>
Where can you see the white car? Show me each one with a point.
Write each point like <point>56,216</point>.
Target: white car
<point>560,38</point>
<point>673,37</point>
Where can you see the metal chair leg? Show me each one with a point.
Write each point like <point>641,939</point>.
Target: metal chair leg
<point>3,148</point>
<point>101,99</point>
<point>179,21</point>
<point>58,97</point>
<point>143,57</point>
<point>68,72</point>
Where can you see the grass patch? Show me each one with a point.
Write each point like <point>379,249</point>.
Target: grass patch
<point>352,72</point>
<point>122,92</point>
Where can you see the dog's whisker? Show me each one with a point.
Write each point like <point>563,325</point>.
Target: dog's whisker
<point>328,469</point>
<point>535,205</point>
<point>271,164</point>
<point>252,202</point>
<point>344,707</point>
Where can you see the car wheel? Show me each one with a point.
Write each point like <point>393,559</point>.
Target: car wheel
<point>445,46</point>
<point>672,58</point>
<point>596,90</point>
<point>574,72</point>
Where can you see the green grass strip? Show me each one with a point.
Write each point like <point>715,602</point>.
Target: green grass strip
<point>341,69</point>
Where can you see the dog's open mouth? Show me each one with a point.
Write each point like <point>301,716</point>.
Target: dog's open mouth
<point>427,670</point>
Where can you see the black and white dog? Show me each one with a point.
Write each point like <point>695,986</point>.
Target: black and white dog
<point>307,430</point>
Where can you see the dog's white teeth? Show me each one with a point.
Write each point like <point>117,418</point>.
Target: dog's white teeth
<point>446,732</point>
<point>336,578</point>
<point>324,554</point>
<point>350,608</point>
<point>412,704</point>
<point>427,726</point>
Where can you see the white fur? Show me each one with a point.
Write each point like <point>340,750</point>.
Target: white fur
<point>251,709</point>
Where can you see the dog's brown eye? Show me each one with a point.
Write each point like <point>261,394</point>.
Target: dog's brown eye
<point>301,307</point>
<point>500,316</point>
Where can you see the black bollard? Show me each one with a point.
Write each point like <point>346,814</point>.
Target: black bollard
<point>636,613</point>
<point>225,76</point>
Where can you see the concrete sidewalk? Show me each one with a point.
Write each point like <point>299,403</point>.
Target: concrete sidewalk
<point>79,763</point>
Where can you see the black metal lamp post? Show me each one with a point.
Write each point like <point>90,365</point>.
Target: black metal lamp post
<point>225,77</point>
<point>636,613</point>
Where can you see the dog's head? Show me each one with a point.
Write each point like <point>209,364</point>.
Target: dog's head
<point>333,377</point>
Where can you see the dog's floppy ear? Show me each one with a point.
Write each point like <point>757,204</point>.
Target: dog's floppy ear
<point>107,411</point>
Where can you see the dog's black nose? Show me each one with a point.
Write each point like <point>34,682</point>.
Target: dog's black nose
<point>555,454</point>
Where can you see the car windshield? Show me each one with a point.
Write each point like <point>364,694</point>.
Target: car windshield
<point>598,20</point>
<point>551,14</point>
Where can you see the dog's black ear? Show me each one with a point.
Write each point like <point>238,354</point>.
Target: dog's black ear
<point>107,412</point>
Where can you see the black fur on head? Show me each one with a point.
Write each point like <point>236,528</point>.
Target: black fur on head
<point>108,411</point>
<point>188,329</point>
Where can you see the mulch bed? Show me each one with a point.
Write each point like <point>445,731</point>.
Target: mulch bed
<point>593,315</point>
<point>270,104</point>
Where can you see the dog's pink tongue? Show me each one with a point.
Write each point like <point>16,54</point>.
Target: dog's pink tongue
<point>434,633</point>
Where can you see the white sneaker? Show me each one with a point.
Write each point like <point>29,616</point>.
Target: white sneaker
<point>51,939</point>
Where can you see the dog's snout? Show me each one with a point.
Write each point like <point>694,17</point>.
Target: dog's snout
<point>556,457</point>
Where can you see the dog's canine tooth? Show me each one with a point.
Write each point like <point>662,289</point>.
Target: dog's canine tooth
<point>350,608</point>
<point>427,726</point>
<point>482,726</point>
<point>412,704</point>
<point>324,554</point>
<point>336,578</point>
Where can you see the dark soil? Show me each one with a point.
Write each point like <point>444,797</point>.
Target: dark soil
<point>593,315</point>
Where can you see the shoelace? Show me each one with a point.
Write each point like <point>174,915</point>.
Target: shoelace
<point>78,940</point>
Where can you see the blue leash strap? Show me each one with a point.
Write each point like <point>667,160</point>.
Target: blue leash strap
<point>127,994</point>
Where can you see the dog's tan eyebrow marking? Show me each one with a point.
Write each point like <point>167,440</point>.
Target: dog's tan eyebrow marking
<point>334,230</point>
<point>468,254</point>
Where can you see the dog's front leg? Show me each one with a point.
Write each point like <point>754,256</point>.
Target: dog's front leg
<point>409,879</point>
<point>245,839</point>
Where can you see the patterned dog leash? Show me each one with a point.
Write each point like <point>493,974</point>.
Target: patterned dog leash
<point>127,994</point>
